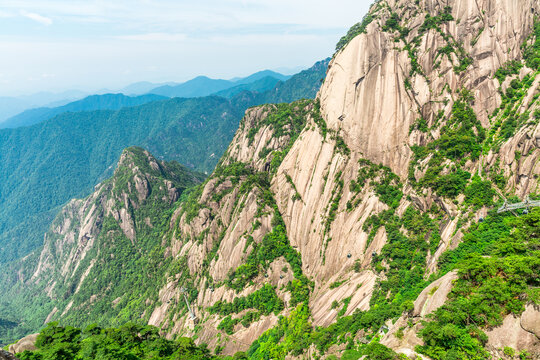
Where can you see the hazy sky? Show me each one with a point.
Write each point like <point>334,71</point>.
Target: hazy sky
<point>56,45</point>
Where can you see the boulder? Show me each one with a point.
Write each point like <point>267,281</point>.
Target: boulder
<point>26,343</point>
<point>4,355</point>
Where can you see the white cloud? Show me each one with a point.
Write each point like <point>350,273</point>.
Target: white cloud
<point>36,17</point>
<point>165,37</point>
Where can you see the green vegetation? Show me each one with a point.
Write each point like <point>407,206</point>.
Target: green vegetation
<point>461,139</point>
<point>128,342</point>
<point>506,120</point>
<point>336,284</point>
<point>318,119</point>
<point>303,85</point>
<point>508,69</point>
<point>264,300</point>
<point>113,259</point>
<point>434,22</point>
<point>386,184</point>
<point>489,287</point>
<point>479,193</point>
<point>334,202</point>
<point>285,120</point>
<point>531,53</point>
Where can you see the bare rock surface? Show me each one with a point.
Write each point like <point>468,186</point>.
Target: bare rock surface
<point>26,343</point>
<point>511,334</point>
<point>4,355</point>
<point>530,320</point>
<point>434,296</point>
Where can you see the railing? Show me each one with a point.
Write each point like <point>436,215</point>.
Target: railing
<point>521,205</point>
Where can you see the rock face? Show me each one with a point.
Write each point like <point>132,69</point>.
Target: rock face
<point>530,320</point>
<point>304,194</point>
<point>26,343</point>
<point>434,296</point>
<point>4,355</point>
<point>94,240</point>
<point>512,334</point>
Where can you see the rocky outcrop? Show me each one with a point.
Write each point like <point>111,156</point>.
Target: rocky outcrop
<point>517,332</point>
<point>530,320</point>
<point>365,96</point>
<point>512,334</point>
<point>434,295</point>
<point>26,343</point>
<point>429,300</point>
<point>82,238</point>
<point>4,355</point>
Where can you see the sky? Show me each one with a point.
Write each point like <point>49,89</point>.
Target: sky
<point>56,45</point>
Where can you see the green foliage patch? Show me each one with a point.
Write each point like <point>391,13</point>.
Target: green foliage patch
<point>387,185</point>
<point>498,274</point>
<point>128,342</point>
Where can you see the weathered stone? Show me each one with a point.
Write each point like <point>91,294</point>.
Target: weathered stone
<point>26,343</point>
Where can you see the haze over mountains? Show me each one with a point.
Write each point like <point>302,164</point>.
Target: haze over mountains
<point>54,154</point>
<point>93,102</point>
<point>12,107</point>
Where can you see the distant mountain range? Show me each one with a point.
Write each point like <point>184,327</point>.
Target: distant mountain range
<point>29,110</point>
<point>10,106</point>
<point>93,102</point>
<point>204,86</point>
<point>71,148</point>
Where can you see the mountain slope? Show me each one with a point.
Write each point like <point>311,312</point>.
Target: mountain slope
<point>45,165</point>
<point>303,85</point>
<point>364,222</point>
<point>90,103</point>
<point>260,85</point>
<point>107,238</point>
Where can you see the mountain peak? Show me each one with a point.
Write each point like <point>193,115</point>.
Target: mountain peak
<point>135,156</point>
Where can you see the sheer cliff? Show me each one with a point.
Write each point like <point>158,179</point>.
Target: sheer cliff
<point>427,119</point>
<point>364,221</point>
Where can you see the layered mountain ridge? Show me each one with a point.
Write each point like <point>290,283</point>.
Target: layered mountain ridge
<point>44,165</point>
<point>363,222</point>
<point>105,239</point>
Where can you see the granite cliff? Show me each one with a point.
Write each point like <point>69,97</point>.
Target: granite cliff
<point>351,212</point>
